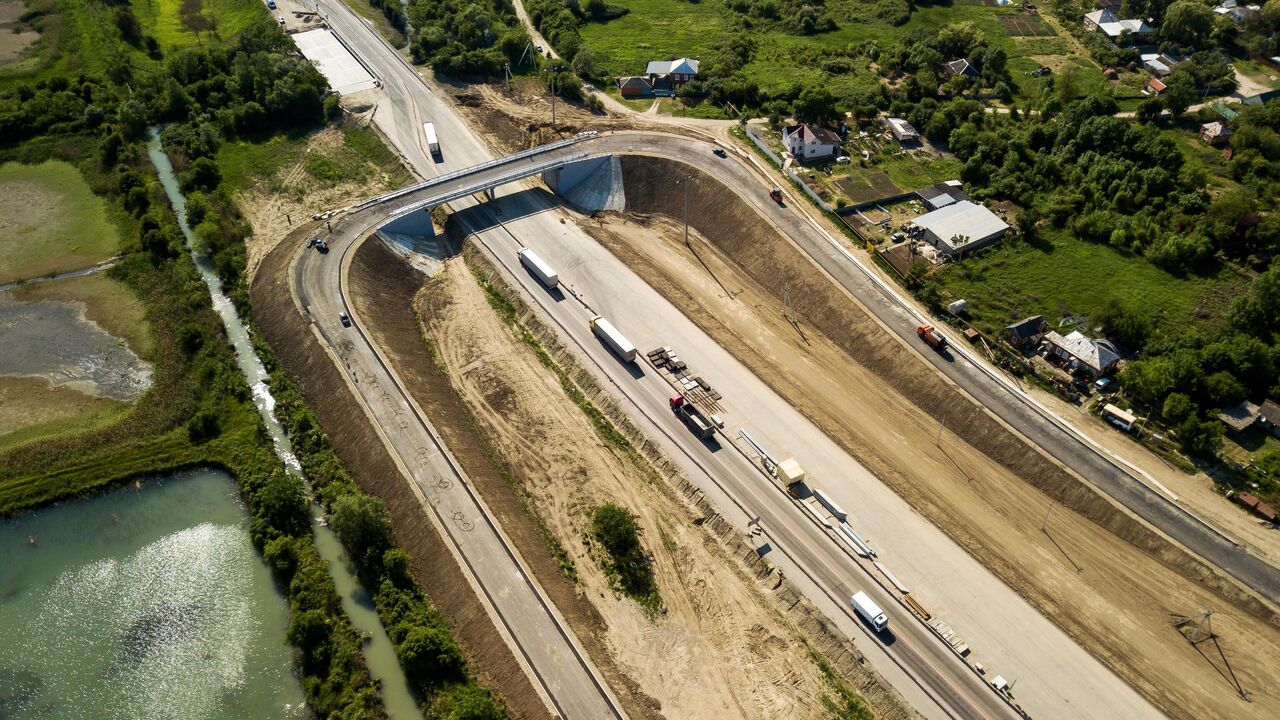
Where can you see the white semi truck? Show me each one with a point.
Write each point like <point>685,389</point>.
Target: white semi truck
<point>870,611</point>
<point>614,339</point>
<point>433,143</point>
<point>538,267</point>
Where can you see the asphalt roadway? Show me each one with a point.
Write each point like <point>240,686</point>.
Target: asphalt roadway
<point>1057,677</point>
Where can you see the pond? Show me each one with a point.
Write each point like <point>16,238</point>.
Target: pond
<point>146,602</point>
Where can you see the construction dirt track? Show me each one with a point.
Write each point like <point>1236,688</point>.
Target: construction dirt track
<point>1112,582</point>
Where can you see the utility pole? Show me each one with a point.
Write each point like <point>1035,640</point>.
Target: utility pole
<point>686,212</point>
<point>941,426</point>
<point>553,100</point>
<point>1045,522</point>
<point>506,76</point>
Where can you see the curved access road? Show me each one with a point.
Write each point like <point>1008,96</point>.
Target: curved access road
<point>519,608</point>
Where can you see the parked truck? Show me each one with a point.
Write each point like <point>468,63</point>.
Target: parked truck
<point>433,143</point>
<point>538,267</point>
<point>609,334</point>
<point>870,611</point>
<point>697,422</point>
<point>930,335</point>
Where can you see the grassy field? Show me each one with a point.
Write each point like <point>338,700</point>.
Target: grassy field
<point>53,222</point>
<point>656,29</point>
<point>1064,276</point>
<point>173,23</point>
<point>81,37</point>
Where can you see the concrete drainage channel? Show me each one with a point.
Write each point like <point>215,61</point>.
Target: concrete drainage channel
<point>695,392</point>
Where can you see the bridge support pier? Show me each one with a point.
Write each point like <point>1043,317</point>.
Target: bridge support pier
<point>416,224</point>
<point>489,194</point>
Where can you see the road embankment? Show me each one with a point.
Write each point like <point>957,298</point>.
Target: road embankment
<point>362,452</point>
<point>989,492</point>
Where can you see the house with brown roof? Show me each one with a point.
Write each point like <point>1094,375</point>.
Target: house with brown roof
<point>807,141</point>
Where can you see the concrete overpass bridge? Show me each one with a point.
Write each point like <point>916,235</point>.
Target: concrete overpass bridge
<point>562,164</point>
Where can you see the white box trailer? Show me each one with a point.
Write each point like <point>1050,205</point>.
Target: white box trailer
<point>870,611</point>
<point>433,143</point>
<point>790,472</point>
<point>614,339</point>
<point>538,267</point>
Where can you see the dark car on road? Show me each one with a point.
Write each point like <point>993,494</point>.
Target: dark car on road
<point>346,320</point>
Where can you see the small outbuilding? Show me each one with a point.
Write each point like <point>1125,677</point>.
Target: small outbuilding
<point>1269,416</point>
<point>635,87</point>
<point>902,130</point>
<point>942,194</point>
<point>960,227</point>
<point>1214,133</point>
<point>959,67</point>
<point>1240,417</point>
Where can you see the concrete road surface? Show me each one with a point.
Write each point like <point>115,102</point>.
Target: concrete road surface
<point>1056,677</point>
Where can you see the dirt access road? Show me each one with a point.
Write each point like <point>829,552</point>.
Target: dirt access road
<point>1118,605</point>
<point>718,649</point>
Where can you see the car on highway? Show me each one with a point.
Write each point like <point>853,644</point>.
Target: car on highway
<point>281,18</point>
<point>720,152</point>
<point>271,4</point>
<point>346,320</point>
<point>321,245</point>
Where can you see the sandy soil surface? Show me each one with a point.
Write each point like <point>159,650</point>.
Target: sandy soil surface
<point>522,119</point>
<point>15,35</point>
<point>276,206</point>
<point>28,402</point>
<point>1121,605</point>
<point>719,650</point>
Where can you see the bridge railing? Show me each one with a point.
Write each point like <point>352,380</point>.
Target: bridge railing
<point>496,162</point>
<point>524,172</point>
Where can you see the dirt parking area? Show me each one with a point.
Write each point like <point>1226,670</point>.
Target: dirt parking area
<point>989,492</point>
<point>718,649</point>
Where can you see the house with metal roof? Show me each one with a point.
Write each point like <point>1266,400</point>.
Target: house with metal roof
<point>1106,22</point>
<point>1095,357</point>
<point>960,227</point>
<point>942,194</point>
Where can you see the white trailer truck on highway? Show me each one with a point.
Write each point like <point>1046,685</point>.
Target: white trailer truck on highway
<point>621,346</point>
<point>433,144</point>
<point>870,611</point>
<point>538,267</point>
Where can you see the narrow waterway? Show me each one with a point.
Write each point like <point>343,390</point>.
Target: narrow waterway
<point>149,603</point>
<point>378,650</point>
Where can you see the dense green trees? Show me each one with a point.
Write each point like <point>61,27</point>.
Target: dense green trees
<point>467,38</point>
<point>1187,21</point>
<point>618,531</point>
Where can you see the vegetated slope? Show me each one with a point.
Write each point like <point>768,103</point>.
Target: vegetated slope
<point>1120,607</point>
